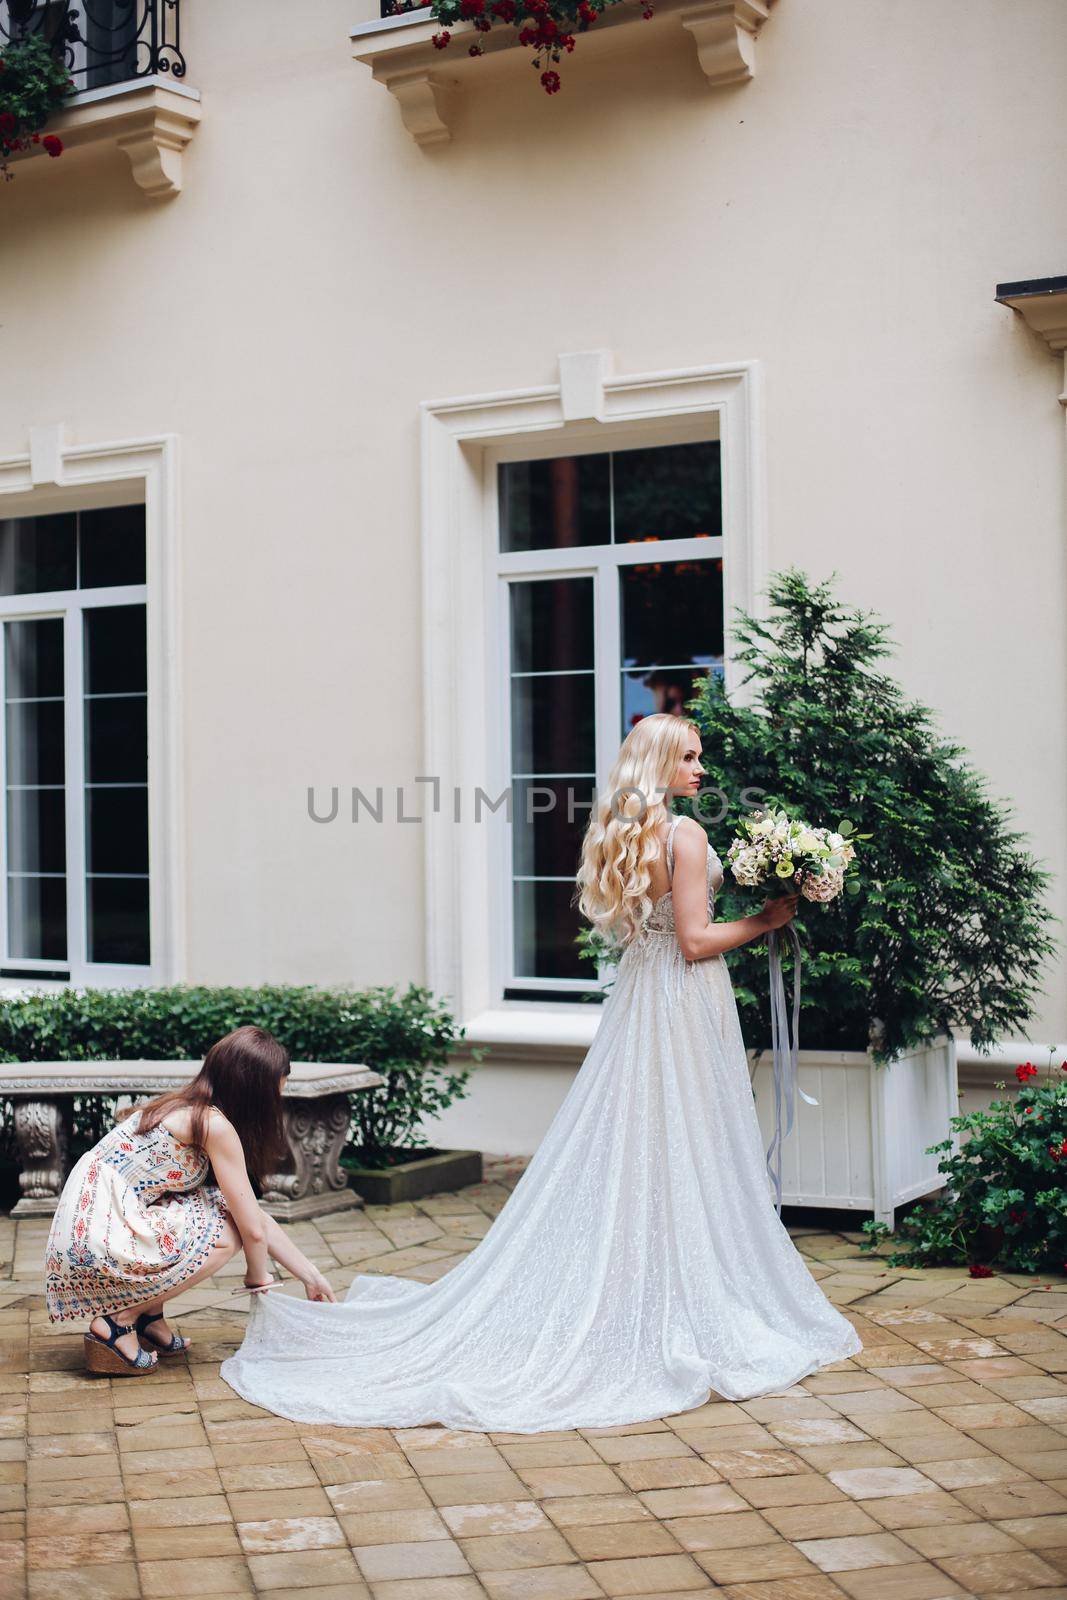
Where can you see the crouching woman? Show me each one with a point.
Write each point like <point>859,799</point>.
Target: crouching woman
<point>165,1199</point>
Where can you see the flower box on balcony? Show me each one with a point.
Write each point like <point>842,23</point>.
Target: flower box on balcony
<point>424,80</point>
<point>150,119</point>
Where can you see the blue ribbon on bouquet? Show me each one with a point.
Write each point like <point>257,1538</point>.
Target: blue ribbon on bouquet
<point>785,1048</point>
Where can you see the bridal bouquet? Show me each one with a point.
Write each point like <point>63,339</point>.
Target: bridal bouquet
<point>779,853</point>
<point>774,851</point>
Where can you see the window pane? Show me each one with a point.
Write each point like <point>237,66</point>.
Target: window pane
<point>661,689</point>
<point>548,818</point>
<point>116,739</point>
<point>115,657</point>
<point>552,625</point>
<point>116,830</point>
<point>546,926</point>
<point>116,793</point>
<point>35,816</point>
<point>37,918</point>
<point>112,546</point>
<point>35,742</point>
<point>552,724</point>
<point>673,492</point>
<point>118,920</point>
<point>34,659</point>
<point>36,830</point>
<point>37,554</point>
<point>672,613</point>
<point>554,505</point>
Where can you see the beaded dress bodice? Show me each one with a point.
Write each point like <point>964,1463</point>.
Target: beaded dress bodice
<point>661,918</point>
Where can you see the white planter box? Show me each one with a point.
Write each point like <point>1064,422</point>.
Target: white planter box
<point>861,1148</point>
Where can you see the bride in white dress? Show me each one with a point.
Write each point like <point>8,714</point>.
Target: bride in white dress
<point>639,1267</point>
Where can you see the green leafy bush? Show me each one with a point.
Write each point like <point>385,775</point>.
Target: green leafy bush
<point>1005,1196</point>
<point>949,929</point>
<point>408,1038</point>
<point>33,83</point>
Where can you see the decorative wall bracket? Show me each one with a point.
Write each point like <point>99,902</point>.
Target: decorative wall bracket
<point>1042,304</point>
<point>400,52</point>
<point>151,120</point>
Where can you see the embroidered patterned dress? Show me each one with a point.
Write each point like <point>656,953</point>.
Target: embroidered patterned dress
<point>134,1221</point>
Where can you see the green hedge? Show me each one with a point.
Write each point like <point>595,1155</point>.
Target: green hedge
<point>408,1037</point>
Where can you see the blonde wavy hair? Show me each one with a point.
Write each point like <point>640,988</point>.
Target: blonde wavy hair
<point>620,840</point>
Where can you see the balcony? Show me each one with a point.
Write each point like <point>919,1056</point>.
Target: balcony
<point>400,53</point>
<point>126,59</point>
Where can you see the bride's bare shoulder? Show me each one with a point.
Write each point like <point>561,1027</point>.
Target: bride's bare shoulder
<point>690,840</point>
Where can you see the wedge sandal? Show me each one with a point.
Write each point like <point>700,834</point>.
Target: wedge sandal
<point>103,1356</point>
<point>177,1343</point>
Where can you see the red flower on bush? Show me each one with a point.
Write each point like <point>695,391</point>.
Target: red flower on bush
<point>441,39</point>
<point>977,1270</point>
<point>551,82</point>
<point>53,144</point>
<point>1026,1072</point>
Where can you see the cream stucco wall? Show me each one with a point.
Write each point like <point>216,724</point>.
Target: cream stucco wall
<point>842,219</point>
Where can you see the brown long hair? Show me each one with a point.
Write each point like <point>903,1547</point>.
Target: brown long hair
<point>242,1076</point>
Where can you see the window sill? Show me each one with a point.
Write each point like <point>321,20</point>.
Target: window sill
<point>150,119</point>
<point>401,54</point>
<point>536,1031</point>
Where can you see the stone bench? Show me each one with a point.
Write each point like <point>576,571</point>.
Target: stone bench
<point>315,1108</point>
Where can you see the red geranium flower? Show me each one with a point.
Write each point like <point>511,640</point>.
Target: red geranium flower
<point>977,1270</point>
<point>551,82</point>
<point>1022,1073</point>
<point>441,39</point>
<point>54,145</point>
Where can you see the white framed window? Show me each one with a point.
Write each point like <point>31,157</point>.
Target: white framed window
<point>91,884</point>
<point>608,566</point>
<point>491,663</point>
<point>74,743</point>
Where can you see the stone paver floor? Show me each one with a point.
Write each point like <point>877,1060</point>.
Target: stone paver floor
<point>933,1465</point>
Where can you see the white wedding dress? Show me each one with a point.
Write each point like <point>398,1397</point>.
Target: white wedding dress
<point>638,1268</point>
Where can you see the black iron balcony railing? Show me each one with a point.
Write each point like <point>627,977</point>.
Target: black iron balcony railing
<point>101,41</point>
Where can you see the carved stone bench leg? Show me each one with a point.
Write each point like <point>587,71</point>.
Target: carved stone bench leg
<point>311,1182</point>
<point>42,1130</point>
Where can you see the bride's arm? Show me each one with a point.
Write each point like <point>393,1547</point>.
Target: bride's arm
<point>697,937</point>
